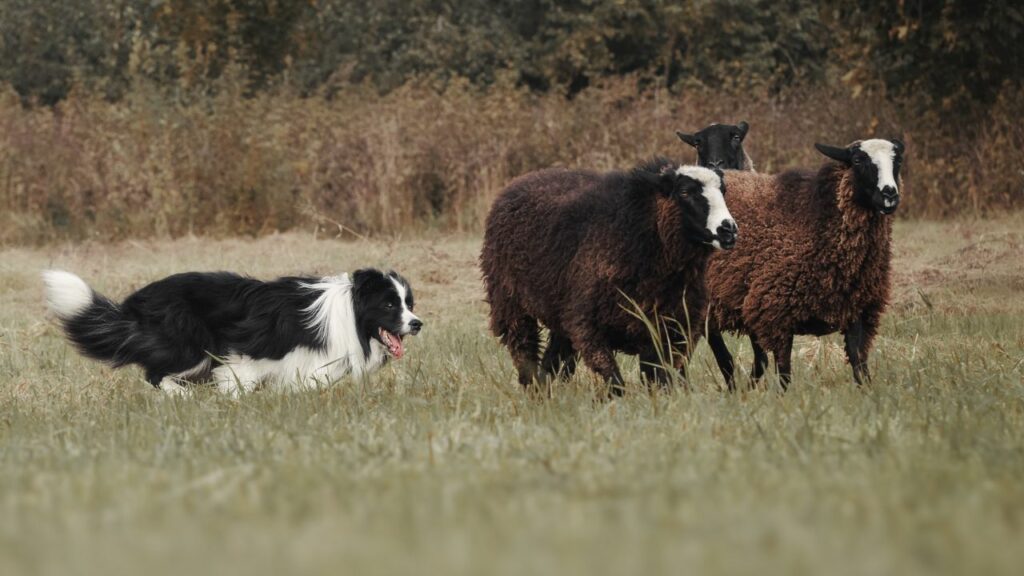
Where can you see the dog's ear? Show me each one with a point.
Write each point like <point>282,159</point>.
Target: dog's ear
<point>360,278</point>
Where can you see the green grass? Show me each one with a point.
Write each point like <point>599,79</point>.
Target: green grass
<point>440,464</point>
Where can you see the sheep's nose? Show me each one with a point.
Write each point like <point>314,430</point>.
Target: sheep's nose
<point>727,234</point>
<point>415,326</point>
<point>890,199</point>
<point>716,164</point>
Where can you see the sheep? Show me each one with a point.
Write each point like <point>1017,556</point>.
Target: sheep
<point>720,146</point>
<point>815,259</point>
<point>571,248</point>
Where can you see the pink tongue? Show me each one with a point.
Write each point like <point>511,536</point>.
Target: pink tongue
<point>395,345</point>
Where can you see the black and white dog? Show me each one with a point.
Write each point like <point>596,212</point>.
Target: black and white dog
<point>241,333</point>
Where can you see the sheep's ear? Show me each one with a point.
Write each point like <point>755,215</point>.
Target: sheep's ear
<point>743,126</point>
<point>660,182</point>
<point>687,138</point>
<point>838,154</point>
<point>668,182</point>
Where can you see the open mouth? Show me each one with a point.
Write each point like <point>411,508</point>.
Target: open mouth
<point>392,343</point>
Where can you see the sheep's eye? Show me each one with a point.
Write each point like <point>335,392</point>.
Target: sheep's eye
<point>736,137</point>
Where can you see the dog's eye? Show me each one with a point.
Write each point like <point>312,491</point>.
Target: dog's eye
<point>389,305</point>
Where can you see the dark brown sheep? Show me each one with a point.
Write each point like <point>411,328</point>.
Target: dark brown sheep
<point>815,258</point>
<point>566,248</point>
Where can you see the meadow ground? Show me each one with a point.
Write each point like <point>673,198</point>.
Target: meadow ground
<point>440,464</point>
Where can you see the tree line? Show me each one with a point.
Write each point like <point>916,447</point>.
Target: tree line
<point>951,53</point>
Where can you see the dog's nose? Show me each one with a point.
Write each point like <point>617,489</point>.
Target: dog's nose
<point>415,326</point>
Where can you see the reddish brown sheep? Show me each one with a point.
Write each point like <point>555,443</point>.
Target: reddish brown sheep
<point>567,247</point>
<point>815,260</point>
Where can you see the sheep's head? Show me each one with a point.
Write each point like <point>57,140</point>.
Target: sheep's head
<point>719,146</point>
<point>876,171</point>
<point>698,195</point>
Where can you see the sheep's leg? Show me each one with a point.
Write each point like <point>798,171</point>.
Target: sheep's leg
<point>674,353</point>
<point>783,360</point>
<point>723,358</point>
<point>559,358</point>
<point>760,362</point>
<point>522,338</point>
<point>682,364</point>
<point>856,353</point>
<point>601,360</point>
<point>652,368</point>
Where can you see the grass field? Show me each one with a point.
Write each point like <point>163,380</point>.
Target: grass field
<point>440,464</point>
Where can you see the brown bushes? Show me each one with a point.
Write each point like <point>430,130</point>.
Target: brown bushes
<point>416,158</point>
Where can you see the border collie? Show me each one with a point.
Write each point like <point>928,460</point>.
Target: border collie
<point>241,333</point>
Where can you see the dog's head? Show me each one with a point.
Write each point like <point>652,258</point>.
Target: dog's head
<point>383,305</point>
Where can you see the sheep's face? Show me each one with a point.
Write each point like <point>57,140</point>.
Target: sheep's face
<point>719,146</point>
<point>700,195</point>
<point>876,171</point>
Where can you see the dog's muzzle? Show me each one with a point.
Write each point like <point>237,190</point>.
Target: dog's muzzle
<point>415,326</point>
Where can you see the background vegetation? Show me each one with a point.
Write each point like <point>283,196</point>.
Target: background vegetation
<point>131,117</point>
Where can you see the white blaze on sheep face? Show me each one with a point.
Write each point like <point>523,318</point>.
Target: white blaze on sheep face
<point>719,221</point>
<point>882,154</point>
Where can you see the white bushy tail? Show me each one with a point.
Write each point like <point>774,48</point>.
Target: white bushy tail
<point>94,324</point>
<point>67,295</point>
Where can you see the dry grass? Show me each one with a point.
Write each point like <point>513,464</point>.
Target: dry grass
<point>439,464</point>
<point>151,166</point>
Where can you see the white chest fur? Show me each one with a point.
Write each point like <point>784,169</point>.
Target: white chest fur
<point>332,317</point>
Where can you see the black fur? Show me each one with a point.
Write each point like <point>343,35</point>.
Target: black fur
<point>719,146</point>
<point>173,325</point>
<point>376,305</point>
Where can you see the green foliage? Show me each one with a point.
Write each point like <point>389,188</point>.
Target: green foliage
<point>954,51</point>
<point>951,51</point>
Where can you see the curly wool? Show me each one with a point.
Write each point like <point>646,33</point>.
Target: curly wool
<point>563,247</point>
<point>811,261</point>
